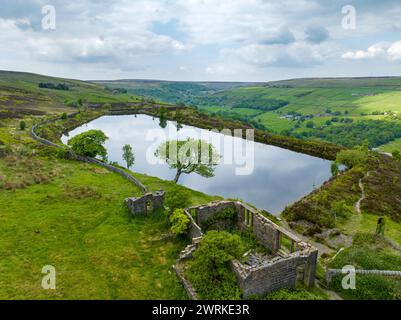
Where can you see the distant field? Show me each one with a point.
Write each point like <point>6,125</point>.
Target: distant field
<point>325,102</point>
<point>392,146</point>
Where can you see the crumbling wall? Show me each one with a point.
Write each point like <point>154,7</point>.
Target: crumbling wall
<point>266,232</point>
<point>194,231</point>
<point>282,270</point>
<point>205,213</point>
<point>276,274</point>
<point>142,204</point>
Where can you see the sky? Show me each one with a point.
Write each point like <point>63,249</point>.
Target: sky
<point>201,40</point>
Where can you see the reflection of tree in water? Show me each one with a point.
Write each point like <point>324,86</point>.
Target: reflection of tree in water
<point>162,122</point>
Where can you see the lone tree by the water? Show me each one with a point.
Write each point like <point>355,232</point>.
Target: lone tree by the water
<point>89,144</point>
<point>187,156</point>
<point>128,155</point>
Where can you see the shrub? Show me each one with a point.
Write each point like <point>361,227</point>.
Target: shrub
<point>340,209</point>
<point>176,199</point>
<point>351,158</point>
<point>22,125</point>
<point>228,215</point>
<point>179,222</point>
<point>396,154</point>
<point>334,168</point>
<point>209,271</point>
<point>64,116</point>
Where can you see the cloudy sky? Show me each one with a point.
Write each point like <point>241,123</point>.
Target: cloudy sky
<point>235,40</point>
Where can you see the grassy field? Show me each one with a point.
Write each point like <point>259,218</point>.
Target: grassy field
<point>392,146</point>
<point>72,216</point>
<point>369,252</point>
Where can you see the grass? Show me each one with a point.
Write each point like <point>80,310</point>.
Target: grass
<point>299,293</point>
<point>20,93</point>
<point>72,216</point>
<point>99,250</point>
<point>369,252</point>
<point>391,146</point>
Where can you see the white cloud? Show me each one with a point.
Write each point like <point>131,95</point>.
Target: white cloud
<point>394,52</point>
<point>389,51</point>
<point>209,37</point>
<point>296,54</point>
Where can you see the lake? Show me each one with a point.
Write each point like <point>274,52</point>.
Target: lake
<point>278,177</point>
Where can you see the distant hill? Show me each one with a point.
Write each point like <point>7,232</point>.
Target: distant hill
<point>347,111</point>
<point>22,91</point>
<point>361,82</point>
<point>190,93</point>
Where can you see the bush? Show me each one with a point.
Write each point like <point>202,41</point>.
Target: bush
<point>225,216</point>
<point>396,155</point>
<point>340,209</point>
<point>209,270</point>
<point>22,125</point>
<point>334,168</point>
<point>310,124</point>
<point>179,222</point>
<point>351,158</point>
<point>176,199</point>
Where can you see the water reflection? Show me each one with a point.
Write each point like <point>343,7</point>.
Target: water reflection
<point>280,177</point>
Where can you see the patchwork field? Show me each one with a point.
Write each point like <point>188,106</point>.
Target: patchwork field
<point>286,107</point>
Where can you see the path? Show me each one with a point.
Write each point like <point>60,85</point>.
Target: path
<point>363,194</point>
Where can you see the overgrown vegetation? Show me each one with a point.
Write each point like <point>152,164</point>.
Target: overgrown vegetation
<point>223,220</point>
<point>209,271</point>
<point>179,222</point>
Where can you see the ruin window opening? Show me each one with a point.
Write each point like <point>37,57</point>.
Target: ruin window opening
<point>301,273</point>
<point>149,206</point>
<point>286,243</point>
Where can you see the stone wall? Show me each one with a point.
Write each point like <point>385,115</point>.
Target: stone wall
<point>109,167</point>
<point>266,232</point>
<point>282,270</point>
<point>205,213</point>
<point>276,274</point>
<point>150,201</point>
<point>194,231</point>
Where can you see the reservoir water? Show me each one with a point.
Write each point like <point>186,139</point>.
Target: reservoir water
<point>279,176</point>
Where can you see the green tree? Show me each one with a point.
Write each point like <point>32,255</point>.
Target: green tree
<point>162,117</point>
<point>179,222</point>
<point>310,125</point>
<point>64,116</point>
<point>22,125</point>
<point>188,156</point>
<point>351,158</point>
<point>89,144</point>
<point>128,155</point>
<point>334,168</point>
